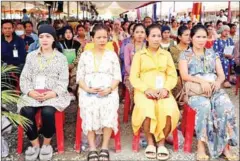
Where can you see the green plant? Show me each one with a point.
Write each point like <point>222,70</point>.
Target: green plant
<point>10,96</point>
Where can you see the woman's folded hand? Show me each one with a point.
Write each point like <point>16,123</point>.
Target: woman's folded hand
<point>206,87</point>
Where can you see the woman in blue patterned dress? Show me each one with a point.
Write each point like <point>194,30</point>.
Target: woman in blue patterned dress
<point>219,45</point>
<point>215,122</point>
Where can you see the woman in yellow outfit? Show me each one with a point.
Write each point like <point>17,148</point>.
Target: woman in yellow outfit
<point>153,76</point>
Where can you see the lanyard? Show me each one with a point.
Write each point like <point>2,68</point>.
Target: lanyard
<point>66,45</point>
<point>96,66</point>
<point>203,60</point>
<point>134,50</point>
<point>48,61</point>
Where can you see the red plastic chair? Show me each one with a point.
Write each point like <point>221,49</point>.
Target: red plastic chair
<point>59,122</point>
<point>127,104</point>
<point>117,137</point>
<point>188,125</point>
<point>136,139</point>
<point>237,84</point>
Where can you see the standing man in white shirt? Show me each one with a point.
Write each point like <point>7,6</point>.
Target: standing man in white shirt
<point>221,16</point>
<point>185,18</point>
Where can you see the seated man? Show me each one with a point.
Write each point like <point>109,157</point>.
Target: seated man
<point>20,31</point>
<point>13,47</point>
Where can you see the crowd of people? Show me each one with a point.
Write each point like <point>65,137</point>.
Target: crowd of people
<point>153,61</point>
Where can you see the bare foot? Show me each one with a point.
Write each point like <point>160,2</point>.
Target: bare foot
<point>227,84</point>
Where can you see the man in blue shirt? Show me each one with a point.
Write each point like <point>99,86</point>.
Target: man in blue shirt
<point>13,47</point>
<point>25,17</point>
<point>28,25</point>
<point>20,31</point>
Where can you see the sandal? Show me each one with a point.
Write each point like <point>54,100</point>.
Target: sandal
<point>92,155</point>
<point>202,157</point>
<point>32,153</point>
<point>231,157</point>
<point>103,154</point>
<point>162,153</point>
<point>150,152</point>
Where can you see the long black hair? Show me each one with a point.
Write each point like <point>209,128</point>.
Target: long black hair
<point>195,29</point>
<point>149,28</point>
<point>98,26</point>
<point>180,32</point>
<point>129,27</point>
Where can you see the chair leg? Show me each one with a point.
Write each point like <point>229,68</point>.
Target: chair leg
<point>20,139</point>
<point>189,130</point>
<point>117,139</point>
<point>135,142</point>
<point>78,133</point>
<point>175,140</point>
<point>184,119</point>
<point>126,106</point>
<point>59,131</point>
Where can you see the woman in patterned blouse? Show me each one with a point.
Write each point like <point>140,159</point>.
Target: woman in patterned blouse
<point>98,76</point>
<point>215,122</point>
<point>43,82</point>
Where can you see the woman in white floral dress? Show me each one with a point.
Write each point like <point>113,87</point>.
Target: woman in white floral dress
<point>98,76</point>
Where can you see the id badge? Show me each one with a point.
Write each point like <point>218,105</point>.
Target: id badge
<point>40,82</point>
<point>15,53</point>
<point>159,82</point>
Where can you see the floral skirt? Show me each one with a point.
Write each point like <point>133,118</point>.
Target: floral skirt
<point>215,121</point>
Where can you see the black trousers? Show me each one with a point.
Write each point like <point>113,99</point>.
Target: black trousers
<point>48,121</point>
<point>237,69</point>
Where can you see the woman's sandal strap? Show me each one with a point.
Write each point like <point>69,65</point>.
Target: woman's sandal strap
<point>92,155</point>
<point>104,153</point>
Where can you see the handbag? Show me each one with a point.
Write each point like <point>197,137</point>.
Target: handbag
<point>189,89</point>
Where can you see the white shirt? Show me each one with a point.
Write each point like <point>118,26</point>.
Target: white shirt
<point>185,19</point>
<point>223,18</point>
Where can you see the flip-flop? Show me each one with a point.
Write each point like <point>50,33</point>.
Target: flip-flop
<point>150,152</point>
<point>162,150</point>
<point>202,157</point>
<point>230,158</point>
<point>92,155</point>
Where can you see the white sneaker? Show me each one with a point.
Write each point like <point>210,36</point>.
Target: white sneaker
<point>46,152</point>
<point>32,153</point>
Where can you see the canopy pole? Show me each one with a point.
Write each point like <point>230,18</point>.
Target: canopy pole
<point>77,9</point>
<point>229,11</point>
<point>10,4</point>
<point>68,9</point>
<point>174,6</point>
<point>160,10</point>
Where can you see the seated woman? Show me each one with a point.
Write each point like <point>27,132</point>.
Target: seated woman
<point>80,37</point>
<point>153,76</point>
<point>183,41</point>
<point>43,82</point>
<point>166,42</point>
<point>71,46</point>
<point>129,51</point>
<point>210,40</point>
<point>98,76</point>
<point>215,122</point>
<point>219,46</point>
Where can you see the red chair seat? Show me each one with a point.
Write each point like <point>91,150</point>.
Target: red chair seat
<point>59,122</point>
<point>117,137</point>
